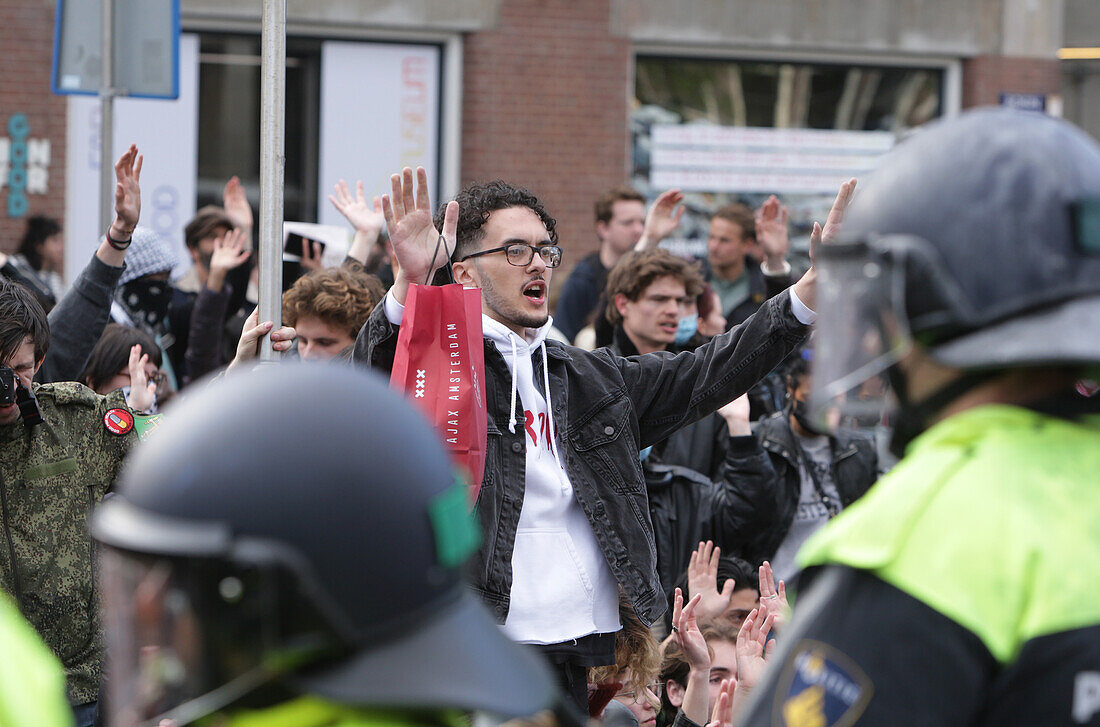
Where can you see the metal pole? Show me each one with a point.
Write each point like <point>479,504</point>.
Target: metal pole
<point>272,164</point>
<point>107,119</point>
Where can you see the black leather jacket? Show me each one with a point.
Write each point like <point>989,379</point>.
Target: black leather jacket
<point>612,407</point>
<point>687,507</point>
<point>855,469</point>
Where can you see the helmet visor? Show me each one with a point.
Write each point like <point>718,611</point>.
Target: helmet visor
<point>186,637</point>
<point>861,332</point>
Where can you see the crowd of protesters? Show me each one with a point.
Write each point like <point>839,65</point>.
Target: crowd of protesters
<point>640,541</point>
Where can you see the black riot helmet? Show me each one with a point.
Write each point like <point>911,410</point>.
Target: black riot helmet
<point>978,238</point>
<point>301,530</point>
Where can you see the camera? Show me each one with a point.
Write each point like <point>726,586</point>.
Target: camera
<point>12,391</point>
<point>8,386</point>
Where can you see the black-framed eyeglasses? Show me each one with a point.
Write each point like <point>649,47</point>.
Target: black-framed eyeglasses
<point>521,254</point>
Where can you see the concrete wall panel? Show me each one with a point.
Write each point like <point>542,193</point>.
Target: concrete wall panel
<point>904,26</point>
<point>414,15</point>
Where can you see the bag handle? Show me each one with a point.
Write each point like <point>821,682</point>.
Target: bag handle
<point>450,268</point>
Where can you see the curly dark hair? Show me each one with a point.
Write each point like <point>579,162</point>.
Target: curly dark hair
<point>477,201</point>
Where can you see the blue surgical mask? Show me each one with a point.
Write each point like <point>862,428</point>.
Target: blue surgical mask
<point>645,453</point>
<point>687,327</point>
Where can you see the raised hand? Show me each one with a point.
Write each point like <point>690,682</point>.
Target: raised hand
<point>806,287</point>
<point>771,233</point>
<point>236,205</point>
<point>662,220</point>
<point>736,414</point>
<point>722,715</point>
<point>686,633</point>
<point>773,598</point>
<point>142,391</point>
<point>824,235</point>
<point>311,256</point>
<point>412,233</point>
<point>703,582</point>
<point>127,194</point>
<point>230,250</point>
<point>365,218</point>
<point>753,650</point>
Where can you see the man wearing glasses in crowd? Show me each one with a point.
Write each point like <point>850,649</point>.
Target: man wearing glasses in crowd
<point>563,505</point>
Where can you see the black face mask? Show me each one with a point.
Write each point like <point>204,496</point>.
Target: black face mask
<point>801,413</point>
<point>148,299</point>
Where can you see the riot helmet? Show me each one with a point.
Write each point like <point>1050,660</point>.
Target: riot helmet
<point>282,527</point>
<point>978,239</point>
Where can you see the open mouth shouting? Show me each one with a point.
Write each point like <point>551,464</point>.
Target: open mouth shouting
<point>535,291</point>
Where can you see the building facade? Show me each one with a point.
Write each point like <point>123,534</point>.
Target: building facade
<point>735,98</point>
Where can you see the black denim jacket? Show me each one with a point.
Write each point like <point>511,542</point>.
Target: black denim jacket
<point>607,408</point>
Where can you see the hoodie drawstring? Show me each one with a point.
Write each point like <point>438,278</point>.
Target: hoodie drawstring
<point>549,408</point>
<point>512,415</point>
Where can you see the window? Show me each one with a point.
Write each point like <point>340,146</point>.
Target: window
<point>229,121</point>
<point>729,130</point>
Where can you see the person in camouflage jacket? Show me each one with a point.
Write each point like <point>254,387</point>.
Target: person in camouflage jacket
<point>50,477</point>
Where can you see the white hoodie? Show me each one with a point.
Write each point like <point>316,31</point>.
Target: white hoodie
<point>562,587</point>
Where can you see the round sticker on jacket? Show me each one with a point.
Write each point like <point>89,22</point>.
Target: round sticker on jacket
<point>118,421</point>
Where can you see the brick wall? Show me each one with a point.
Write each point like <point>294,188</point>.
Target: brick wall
<point>544,106</point>
<point>986,77</point>
<point>26,43</point>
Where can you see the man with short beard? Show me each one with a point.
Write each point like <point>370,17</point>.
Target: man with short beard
<point>562,505</point>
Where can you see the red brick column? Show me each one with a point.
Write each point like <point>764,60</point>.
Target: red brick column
<point>26,43</point>
<point>986,77</point>
<point>545,106</point>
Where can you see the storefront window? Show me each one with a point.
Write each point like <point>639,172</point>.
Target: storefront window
<point>740,130</point>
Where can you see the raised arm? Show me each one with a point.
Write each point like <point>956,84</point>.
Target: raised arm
<point>669,391</point>
<point>203,353</point>
<point>237,208</point>
<point>806,287</point>
<point>413,235</point>
<point>662,220</point>
<point>703,583</point>
<point>772,236</point>
<point>78,320</point>
<point>742,503</point>
<point>112,250</point>
<point>367,219</point>
<point>686,633</point>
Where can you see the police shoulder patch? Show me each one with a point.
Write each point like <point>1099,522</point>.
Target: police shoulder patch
<point>820,687</point>
<point>118,421</point>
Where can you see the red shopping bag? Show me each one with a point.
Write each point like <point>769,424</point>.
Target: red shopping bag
<point>440,365</point>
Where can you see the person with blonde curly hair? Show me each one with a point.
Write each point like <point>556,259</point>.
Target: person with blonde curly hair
<point>327,308</point>
<point>634,673</point>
